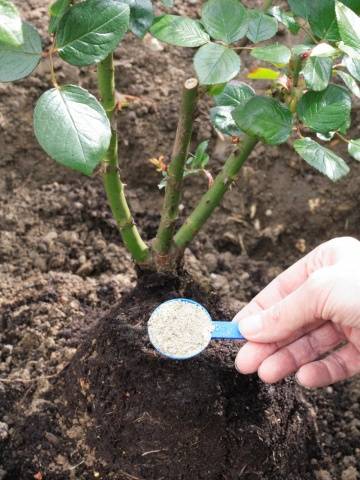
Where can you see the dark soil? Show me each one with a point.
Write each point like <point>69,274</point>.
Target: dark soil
<point>62,266</point>
<point>121,411</point>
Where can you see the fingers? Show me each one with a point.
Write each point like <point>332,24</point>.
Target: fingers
<point>279,288</point>
<point>294,314</point>
<point>250,309</point>
<point>327,254</point>
<point>252,354</point>
<point>290,358</point>
<point>286,324</point>
<point>339,365</point>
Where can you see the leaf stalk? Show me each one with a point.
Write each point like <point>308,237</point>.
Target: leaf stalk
<point>52,69</point>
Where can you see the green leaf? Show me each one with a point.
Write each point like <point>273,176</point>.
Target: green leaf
<point>201,151</point>
<point>263,74</point>
<point>235,93</point>
<point>225,20</point>
<point>141,16</point>
<point>221,118</point>
<point>261,26</point>
<point>53,24</point>
<point>353,66</point>
<point>286,18</point>
<point>317,72</point>
<point>350,83</point>
<point>276,54</point>
<point>354,149</point>
<point>18,62</point>
<point>214,90</point>
<point>353,4</point>
<point>321,16</point>
<point>58,7</point>
<point>57,10</point>
<point>200,158</point>
<point>265,118</point>
<point>301,8</point>
<point>321,158</point>
<point>10,24</point>
<point>216,64</point>
<point>325,111</point>
<point>180,31</point>
<point>322,20</point>
<point>72,127</point>
<point>90,30</point>
<point>350,51</point>
<point>349,25</point>
<point>323,50</point>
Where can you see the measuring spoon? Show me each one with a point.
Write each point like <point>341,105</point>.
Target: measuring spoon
<point>222,330</point>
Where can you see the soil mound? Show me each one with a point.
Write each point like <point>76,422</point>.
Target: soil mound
<point>145,417</point>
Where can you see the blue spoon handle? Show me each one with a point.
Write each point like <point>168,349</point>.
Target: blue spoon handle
<point>226,331</point>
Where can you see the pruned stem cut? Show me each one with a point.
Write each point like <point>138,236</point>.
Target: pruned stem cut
<point>174,184</point>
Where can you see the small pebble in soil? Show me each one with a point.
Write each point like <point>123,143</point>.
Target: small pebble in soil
<point>180,329</point>
<point>300,245</point>
<point>4,431</point>
<point>323,475</point>
<point>350,474</point>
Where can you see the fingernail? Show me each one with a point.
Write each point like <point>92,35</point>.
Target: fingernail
<point>250,326</point>
<point>238,366</point>
<point>298,381</point>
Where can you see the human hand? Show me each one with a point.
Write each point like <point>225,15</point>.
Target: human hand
<point>304,313</point>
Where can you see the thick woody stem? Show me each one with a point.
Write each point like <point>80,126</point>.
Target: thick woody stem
<point>113,185</point>
<point>174,184</point>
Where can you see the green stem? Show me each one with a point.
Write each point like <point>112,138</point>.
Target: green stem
<point>215,194</point>
<point>297,64</point>
<point>173,190</point>
<point>294,72</point>
<point>112,182</point>
<point>106,83</point>
<point>116,197</point>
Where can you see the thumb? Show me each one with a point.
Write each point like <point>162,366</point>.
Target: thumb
<point>295,313</point>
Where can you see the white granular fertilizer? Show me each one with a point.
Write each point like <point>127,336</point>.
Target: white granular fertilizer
<point>180,329</point>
